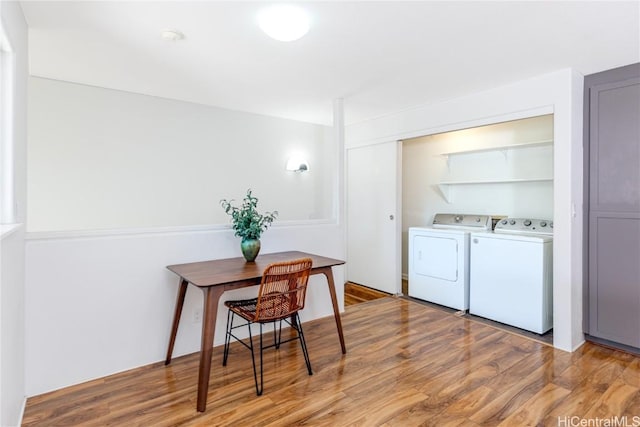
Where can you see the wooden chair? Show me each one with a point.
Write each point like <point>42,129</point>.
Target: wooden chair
<point>282,294</point>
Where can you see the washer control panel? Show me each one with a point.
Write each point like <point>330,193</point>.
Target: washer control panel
<point>524,225</point>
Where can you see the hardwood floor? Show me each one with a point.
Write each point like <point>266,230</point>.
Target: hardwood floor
<point>355,294</point>
<point>406,365</point>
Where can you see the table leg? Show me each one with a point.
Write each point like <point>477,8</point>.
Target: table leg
<point>210,312</point>
<point>182,291</point>
<point>336,309</point>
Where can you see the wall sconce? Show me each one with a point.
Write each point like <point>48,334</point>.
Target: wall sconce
<point>296,164</point>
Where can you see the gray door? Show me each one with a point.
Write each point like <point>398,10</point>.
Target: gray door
<point>614,207</point>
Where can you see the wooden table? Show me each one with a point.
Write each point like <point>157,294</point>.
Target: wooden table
<point>215,277</point>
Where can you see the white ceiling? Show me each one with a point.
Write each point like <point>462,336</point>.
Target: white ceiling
<point>380,57</point>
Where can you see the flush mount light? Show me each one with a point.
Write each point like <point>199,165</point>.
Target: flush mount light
<point>172,35</point>
<point>284,22</point>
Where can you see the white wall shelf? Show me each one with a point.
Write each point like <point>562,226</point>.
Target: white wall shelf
<point>502,148</point>
<point>446,186</point>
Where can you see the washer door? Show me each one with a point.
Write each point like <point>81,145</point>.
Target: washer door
<point>436,257</point>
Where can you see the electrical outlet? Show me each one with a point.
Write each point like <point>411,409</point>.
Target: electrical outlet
<point>197,315</point>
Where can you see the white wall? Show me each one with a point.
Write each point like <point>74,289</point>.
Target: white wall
<point>107,159</point>
<point>424,167</point>
<point>12,320</point>
<point>559,93</point>
<point>12,259</point>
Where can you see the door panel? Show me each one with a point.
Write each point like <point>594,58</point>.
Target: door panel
<point>615,270</point>
<point>615,151</point>
<point>372,227</point>
<point>436,257</point>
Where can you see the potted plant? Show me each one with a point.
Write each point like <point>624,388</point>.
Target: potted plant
<point>248,223</point>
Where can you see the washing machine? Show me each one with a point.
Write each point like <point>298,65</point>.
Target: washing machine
<point>511,278</point>
<point>439,259</point>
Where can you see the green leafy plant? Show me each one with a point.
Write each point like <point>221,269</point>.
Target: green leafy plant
<point>248,223</point>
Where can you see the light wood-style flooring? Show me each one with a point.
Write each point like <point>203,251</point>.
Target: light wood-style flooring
<point>407,365</point>
<point>355,294</point>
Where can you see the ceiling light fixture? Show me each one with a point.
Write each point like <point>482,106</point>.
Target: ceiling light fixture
<point>284,22</point>
<point>172,35</point>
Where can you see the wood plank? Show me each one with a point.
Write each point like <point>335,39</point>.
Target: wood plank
<point>469,403</point>
<point>535,409</point>
<point>510,400</point>
<point>631,374</point>
<point>588,392</point>
<point>614,400</point>
<point>356,294</point>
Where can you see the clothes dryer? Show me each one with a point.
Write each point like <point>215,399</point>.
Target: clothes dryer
<point>439,259</point>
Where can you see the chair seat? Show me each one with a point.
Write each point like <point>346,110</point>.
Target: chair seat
<point>274,306</point>
<point>245,308</point>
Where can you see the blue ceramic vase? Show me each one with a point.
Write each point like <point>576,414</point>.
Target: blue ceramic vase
<point>250,249</point>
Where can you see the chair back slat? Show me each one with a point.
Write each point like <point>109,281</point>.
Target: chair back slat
<point>282,289</point>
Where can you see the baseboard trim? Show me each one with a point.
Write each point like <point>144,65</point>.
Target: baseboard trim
<point>613,345</point>
<point>22,409</point>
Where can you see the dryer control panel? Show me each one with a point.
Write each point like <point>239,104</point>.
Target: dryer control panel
<point>462,221</point>
<point>525,225</point>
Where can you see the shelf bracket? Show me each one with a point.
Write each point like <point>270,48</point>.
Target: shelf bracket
<point>445,191</point>
<point>447,159</point>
